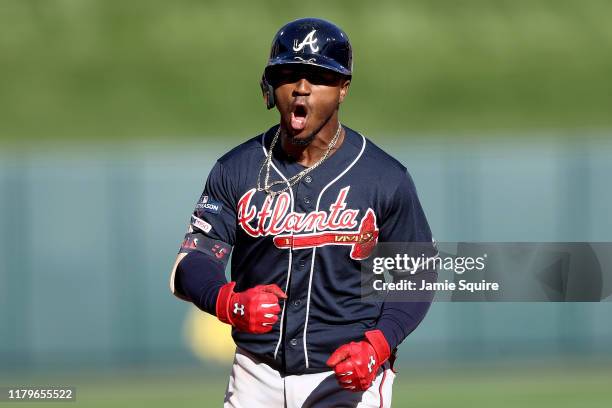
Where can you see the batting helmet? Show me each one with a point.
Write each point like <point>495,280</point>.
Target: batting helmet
<point>308,41</point>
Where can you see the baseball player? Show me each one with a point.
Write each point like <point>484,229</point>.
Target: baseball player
<point>300,207</point>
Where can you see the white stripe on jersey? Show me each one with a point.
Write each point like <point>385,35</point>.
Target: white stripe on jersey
<point>314,250</point>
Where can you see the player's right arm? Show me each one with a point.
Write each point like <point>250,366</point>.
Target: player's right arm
<point>198,274</point>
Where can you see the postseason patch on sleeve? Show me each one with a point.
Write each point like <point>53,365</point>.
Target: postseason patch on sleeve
<point>208,205</point>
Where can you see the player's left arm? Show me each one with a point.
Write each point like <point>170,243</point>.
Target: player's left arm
<point>407,226</point>
<point>356,364</point>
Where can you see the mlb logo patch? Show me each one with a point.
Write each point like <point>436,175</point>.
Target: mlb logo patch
<point>208,205</point>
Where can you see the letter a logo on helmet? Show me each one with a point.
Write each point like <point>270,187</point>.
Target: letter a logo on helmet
<point>308,40</point>
<point>295,43</point>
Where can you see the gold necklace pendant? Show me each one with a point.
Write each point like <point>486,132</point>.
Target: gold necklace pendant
<point>267,163</point>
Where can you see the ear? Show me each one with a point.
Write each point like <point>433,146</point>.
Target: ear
<point>344,89</point>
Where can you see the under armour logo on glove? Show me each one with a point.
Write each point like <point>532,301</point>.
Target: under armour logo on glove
<point>355,364</point>
<point>371,364</point>
<point>238,309</point>
<point>253,311</point>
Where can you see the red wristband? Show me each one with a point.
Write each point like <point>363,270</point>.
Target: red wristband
<point>223,301</point>
<point>378,341</point>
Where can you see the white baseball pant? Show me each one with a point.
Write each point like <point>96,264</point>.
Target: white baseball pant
<point>253,384</point>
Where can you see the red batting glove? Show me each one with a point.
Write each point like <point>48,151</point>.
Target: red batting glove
<point>356,364</point>
<point>253,311</point>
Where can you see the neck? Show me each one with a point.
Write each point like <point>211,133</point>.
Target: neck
<point>308,154</point>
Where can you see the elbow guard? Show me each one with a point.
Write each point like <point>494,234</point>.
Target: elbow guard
<point>201,260</point>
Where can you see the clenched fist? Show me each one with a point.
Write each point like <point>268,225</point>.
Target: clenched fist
<point>356,364</point>
<point>253,311</point>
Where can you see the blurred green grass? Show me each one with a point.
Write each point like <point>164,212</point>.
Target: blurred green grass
<point>87,69</point>
<point>540,386</point>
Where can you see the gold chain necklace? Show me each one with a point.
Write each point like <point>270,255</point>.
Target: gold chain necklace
<point>267,163</point>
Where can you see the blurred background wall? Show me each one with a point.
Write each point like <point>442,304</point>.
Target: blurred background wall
<point>88,242</point>
<point>112,114</point>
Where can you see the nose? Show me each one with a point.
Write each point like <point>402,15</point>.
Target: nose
<point>302,87</point>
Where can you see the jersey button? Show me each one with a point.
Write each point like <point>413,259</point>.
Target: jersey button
<point>293,342</point>
<point>308,179</point>
<point>297,303</point>
<point>302,264</point>
<point>307,200</point>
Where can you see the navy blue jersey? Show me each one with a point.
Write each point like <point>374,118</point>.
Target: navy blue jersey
<point>303,240</point>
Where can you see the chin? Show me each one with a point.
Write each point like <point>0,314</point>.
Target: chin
<point>303,138</point>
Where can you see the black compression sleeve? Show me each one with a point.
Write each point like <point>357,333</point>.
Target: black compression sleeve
<point>200,277</point>
<point>399,318</point>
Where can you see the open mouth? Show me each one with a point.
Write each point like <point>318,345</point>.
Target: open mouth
<point>298,117</point>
